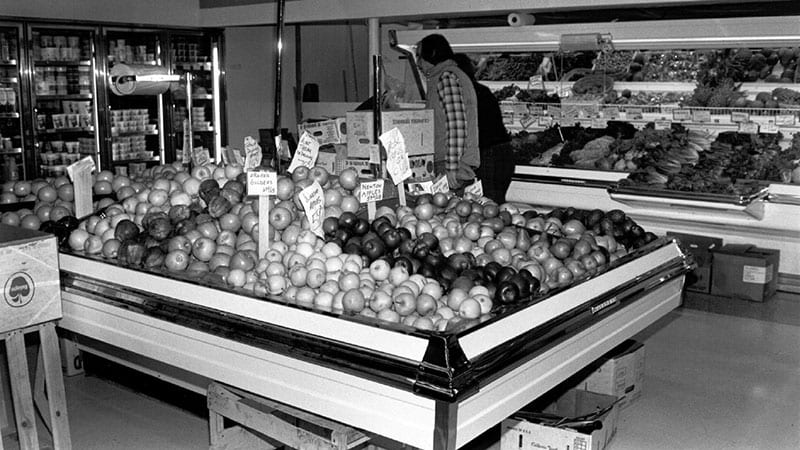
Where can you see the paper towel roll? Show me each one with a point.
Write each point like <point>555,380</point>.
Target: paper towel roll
<point>122,86</point>
<point>521,19</point>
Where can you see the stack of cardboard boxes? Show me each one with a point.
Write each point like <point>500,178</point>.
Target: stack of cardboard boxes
<point>348,142</point>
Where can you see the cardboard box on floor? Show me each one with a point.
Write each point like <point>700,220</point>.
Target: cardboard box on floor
<point>745,271</point>
<point>621,374</point>
<point>702,248</point>
<point>520,434</point>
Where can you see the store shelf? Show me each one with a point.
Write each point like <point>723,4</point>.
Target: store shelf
<point>135,133</point>
<point>11,62</point>
<point>64,97</point>
<point>9,80</point>
<point>63,63</point>
<point>8,115</point>
<point>68,130</point>
<point>202,97</point>
<point>13,151</point>
<point>190,66</point>
<point>118,162</point>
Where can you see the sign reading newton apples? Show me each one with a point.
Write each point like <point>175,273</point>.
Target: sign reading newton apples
<point>313,200</point>
<point>371,191</point>
<point>306,153</point>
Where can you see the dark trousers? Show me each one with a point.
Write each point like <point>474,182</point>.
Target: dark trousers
<point>496,170</point>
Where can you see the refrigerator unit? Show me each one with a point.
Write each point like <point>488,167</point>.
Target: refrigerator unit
<point>12,156</point>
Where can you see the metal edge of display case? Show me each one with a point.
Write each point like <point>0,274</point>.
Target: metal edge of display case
<point>377,408</point>
<point>354,345</point>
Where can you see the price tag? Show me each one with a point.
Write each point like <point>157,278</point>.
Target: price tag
<point>739,117</point>
<point>634,113</point>
<point>396,156</point>
<point>374,154</point>
<point>370,191</point>
<point>610,112</point>
<point>554,111</point>
<point>748,128</point>
<point>262,183</point>
<point>769,128</point>
<point>423,187</point>
<point>527,120</point>
<point>663,124</point>
<point>80,172</point>
<point>440,185</point>
<point>784,120</point>
<point>680,115</point>
<point>564,92</point>
<point>306,153</point>
<point>313,200</point>
<point>232,156</point>
<point>545,121</point>
<point>534,80</point>
<point>252,154</point>
<point>585,123</point>
<point>701,115</point>
<point>475,188</point>
<point>600,123</point>
<point>200,156</point>
<point>536,110</point>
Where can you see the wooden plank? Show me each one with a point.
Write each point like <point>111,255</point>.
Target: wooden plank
<point>238,438</point>
<point>55,387</point>
<point>216,425</point>
<point>21,391</point>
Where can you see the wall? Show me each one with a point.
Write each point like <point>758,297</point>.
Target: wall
<point>152,12</point>
<point>250,81</point>
<point>327,58</point>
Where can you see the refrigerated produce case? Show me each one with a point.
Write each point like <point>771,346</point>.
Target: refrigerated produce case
<point>653,74</point>
<point>12,157</point>
<point>63,96</point>
<point>432,390</point>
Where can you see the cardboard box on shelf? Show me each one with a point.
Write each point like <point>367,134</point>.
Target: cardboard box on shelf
<point>745,271</point>
<point>361,165</point>
<point>621,373</point>
<point>702,248</point>
<point>416,126</point>
<point>520,434</point>
<point>29,278</point>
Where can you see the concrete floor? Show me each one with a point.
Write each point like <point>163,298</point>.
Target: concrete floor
<point>712,381</point>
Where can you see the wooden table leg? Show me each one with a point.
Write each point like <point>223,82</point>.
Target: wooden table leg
<point>21,391</point>
<point>55,387</point>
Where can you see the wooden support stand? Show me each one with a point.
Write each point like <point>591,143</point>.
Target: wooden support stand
<point>262,423</point>
<point>49,385</point>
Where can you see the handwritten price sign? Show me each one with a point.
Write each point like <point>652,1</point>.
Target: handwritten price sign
<point>313,201</point>
<point>440,185</point>
<point>262,183</point>
<point>371,191</point>
<point>252,154</point>
<point>306,153</point>
<point>396,156</point>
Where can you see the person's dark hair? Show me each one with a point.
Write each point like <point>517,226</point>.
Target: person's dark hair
<point>434,48</point>
<point>464,62</point>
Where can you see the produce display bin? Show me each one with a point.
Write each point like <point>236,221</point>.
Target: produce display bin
<point>431,390</point>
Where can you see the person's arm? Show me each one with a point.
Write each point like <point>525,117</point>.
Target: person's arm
<point>456,122</point>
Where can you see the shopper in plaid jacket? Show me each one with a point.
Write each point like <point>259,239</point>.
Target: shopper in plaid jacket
<point>452,97</point>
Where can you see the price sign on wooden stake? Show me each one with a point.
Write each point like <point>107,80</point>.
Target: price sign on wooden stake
<point>81,174</point>
<point>370,192</point>
<point>396,160</point>
<point>262,184</point>
<point>306,153</point>
<point>252,154</point>
<point>440,185</point>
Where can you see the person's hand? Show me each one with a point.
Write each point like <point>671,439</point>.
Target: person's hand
<point>452,180</point>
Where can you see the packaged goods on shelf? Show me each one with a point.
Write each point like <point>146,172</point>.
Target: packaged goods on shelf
<point>332,131</point>
<point>745,271</point>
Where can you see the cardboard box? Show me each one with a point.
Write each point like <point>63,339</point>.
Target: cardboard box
<point>520,434</point>
<point>362,166</point>
<point>745,271</point>
<point>421,167</point>
<point>330,155</point>
<point>325,132</point>
<point>621,373</point>
<point>29,277</point>
<point>702,248</point>
<point>416,125</point>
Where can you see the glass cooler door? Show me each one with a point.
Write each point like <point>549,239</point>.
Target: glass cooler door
<point>134,136</point>
<point>63,96</point>
<point>12,155</point>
